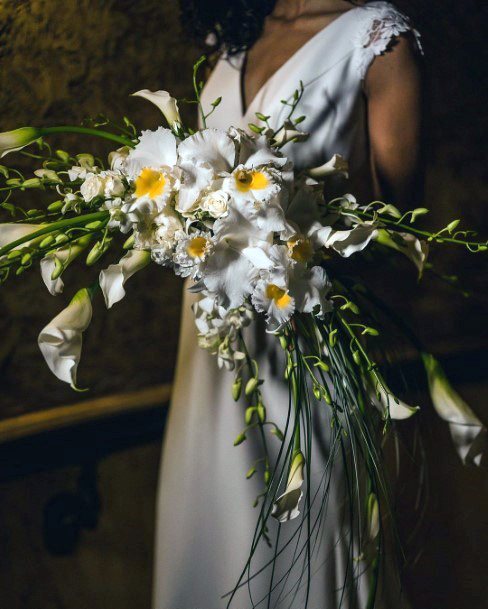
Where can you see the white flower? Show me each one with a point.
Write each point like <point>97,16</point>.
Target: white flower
<point>113,186</point>
<point>310,288</point>
<point>258,185</point>
<point>155,150</point>
<point>286,506</point>
<point>10,232</point>
<point>274,300</point>
<point>10,141</point>
<point>336,165</point>
<point>113,278</point>
<point>289,133</point>
<point>118,157</point>
<point>203,157</point>
<point>257,151</point>
<point>160,235</point>
<point>406,243</point>
<point>389,405</point>
<point>467,431</point>
<point>119,214</point>
<point>215,203</point>
<point>54,263</point>
<point>347,242</point>
<point>92,187</point>
<point>191,251</point>
<point>167,104</point>
<point>61,340</point>
<point>77,173</point>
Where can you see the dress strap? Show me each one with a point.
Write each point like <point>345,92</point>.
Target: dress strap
<point>381,23</point>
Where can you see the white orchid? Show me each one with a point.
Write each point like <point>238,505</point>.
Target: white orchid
<point>113,278</point>
<point>349,241</point>
<point>203,158</point>
<point>167,104</point>
<point>467,431</point>
<point>155,153</point>
<point>11,141</point>
<point>118,158</point>
<point>191,250</point>
<point>61,340</point>
<point>286,506</point>
<point>310,288</point>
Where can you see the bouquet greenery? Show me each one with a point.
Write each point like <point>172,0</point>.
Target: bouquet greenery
<point>227,210</point>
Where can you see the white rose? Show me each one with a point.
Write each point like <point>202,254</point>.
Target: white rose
<point>216,203</point>
<point>113,185</point>
<point>92,187</point>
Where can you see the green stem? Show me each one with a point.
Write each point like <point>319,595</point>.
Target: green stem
<point>88,131</point>
<point>54,226</point>
<point>412,230</point>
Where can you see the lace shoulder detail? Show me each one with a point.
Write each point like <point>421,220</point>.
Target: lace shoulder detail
<point>381,25</point>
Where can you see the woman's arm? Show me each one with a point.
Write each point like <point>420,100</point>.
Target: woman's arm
<point>394,94</point>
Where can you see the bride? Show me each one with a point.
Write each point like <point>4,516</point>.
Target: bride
<point>359,64</point>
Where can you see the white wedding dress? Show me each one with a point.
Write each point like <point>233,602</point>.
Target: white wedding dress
<point>205,518</point>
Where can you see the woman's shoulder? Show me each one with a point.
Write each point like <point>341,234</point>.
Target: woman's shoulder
<point>378,25</point>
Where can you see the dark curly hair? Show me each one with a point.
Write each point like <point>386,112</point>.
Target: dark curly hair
<point>233,24</point>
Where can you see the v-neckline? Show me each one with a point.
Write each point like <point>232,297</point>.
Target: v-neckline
<point>243,64</point>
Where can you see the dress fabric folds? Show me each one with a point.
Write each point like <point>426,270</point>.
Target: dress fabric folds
<point>205,518</point>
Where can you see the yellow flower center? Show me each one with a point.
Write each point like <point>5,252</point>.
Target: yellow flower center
<point>196,247</point>
<point>150,182</point>
<point>300,249</point>
<point>250,180</point>
<point>280,296</point>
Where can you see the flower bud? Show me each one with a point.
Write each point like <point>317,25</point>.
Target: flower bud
<point>249,414</point>
<point>236,389</point>
<point>317,393</point>
<point>31,183</point>
<point>26,260</point>
<point>63,155</point>
<point>251,386</point>
<point>322,365</point>
<point>61,238</point>
<point>261,411</point>
<point>240,439</point>
<point>129,243</point>
<point>10,141</point>
<point>55,206</point>
<point>356,357</point>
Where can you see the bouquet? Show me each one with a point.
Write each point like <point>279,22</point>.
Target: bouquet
<point>255,238</point>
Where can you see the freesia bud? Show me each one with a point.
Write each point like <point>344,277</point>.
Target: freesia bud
<point>240,439</point>
<point>236,389</point>
<point>10,141</point>
<point>167,104</point>
<point>251,386</point>
<point>61,340</point>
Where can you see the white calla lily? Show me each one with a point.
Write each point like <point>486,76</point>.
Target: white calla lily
<point>10,232</point>
<point>336,165</point>
<point>468,432</point>
<point>113,278</point>
<point>406,243</point>
<point>167,104</point>
<point>56,262</point>
<point>61,340</point>
<point>286,506</point>
<point>11,141</point>
<point>390,406</point>
<point>289,133</point>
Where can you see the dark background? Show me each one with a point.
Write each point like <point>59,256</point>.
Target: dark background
<point>63,60</point>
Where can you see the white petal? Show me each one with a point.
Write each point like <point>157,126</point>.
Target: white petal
<point>48,266</point>
<point>414,249</point>
<point>113,278</point>
<point>347,242</point>
<point>286,506</point>
<point>211,146</point>
<point>60,341</point>
<point>468,432</point>
<point>336,165</point>
<point>10,141</point>
<point>386,404</point>
<point>155,149</point>
<point>10,232</point>
<point>163,100</point>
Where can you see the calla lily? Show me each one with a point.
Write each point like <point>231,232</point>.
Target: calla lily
<point>289,133</point>
<point>56,262</point>
<point>286,506</point>
<point>167,104</point>
<point>391,406</point>
<point>113,278</point>
<point>10,232</point>
<point>61,340</point>
<point>414,249</point>
<point>10,141</point>
<point>468,432</point>
<point>336,165</point>
<point>347,242</point>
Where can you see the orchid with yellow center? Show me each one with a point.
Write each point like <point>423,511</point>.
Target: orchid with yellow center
<point>275,301</point>
<point>300,248</point>
<point>150,183</point>
<point>191,251</point>
<point>155,150</point>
